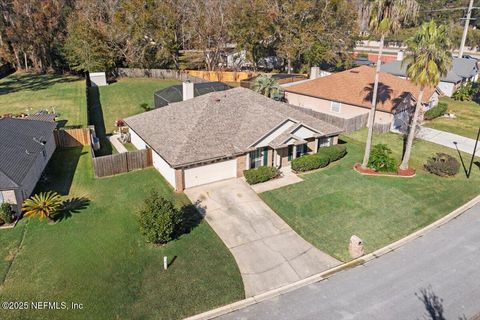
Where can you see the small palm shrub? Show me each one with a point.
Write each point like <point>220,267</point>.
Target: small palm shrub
<point>437,111</point>
<point>464,93</point>
<point>159,220</point>
<point>309,162</point>
<point>260,174</point>
<point>334,153</point>
<point>42,205</point>
<point>443,165</point>
<point>6,215</point>
<point>266,85</point>
<point>381,159</point>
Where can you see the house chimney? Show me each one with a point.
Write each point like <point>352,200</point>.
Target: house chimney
<point>314,72</point>
<point>400,55</point>
<point>187,90</point>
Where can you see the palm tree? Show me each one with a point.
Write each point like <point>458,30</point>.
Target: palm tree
<point>384,17</point>
<point>266,85</point>
<point>428,60</point>
<point>42,205</point>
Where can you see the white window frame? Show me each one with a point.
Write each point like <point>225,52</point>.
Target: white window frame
<point>334,105</point>
<point>1,197</point>
<point>325,142</point>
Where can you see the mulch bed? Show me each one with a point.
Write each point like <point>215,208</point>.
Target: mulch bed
<point>407,173</point>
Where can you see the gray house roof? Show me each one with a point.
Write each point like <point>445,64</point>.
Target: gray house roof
<point>20,144</point>
<point>462,68</point>
<point>217,125</point>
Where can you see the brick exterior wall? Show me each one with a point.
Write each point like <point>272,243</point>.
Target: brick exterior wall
<point>241,165</point>
<point>179,180</point>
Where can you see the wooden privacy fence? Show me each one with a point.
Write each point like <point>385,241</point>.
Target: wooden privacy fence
<point>349,125</point>
<point>222,76</point>
<point>122,162</point>
<point>157,73</point>
<point>70,138</point>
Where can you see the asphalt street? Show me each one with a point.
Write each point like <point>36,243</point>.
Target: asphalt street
<point>436,277</point>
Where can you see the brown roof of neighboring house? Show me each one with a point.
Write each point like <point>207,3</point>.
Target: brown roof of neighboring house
<point>217,125</point>
<point>355,87</point>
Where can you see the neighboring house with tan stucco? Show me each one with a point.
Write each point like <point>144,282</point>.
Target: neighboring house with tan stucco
<point>25,148</point>
<point>348,95</point>
<point>219,135</point>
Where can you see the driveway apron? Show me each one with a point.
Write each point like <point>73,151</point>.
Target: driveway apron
<point>268,252</point>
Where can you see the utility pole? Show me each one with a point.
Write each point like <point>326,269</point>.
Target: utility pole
<point>465,29</point>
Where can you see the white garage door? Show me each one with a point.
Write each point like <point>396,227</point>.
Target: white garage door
<point>210,173</point>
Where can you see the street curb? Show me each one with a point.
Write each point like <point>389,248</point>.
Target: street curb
<point>328,273</point>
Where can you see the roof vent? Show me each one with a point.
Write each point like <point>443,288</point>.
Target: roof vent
<point>354,71</point>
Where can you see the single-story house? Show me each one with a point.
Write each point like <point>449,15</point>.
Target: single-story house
<point>348,94</point>
<point>25,147</point>
<point>462,70</point>
<point>219,135</point>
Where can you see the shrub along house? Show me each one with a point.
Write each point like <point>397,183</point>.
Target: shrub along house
<point>219,135</point>
<point>347,96</point>
<point>25,148</point>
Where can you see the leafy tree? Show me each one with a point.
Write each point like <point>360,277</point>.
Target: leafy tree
<point>42,205</point>
<point>159,220</point>
<point>428,59</point>
<point>384,17</point>
<point>86,47</point>
<point>6,215</point>
<point>266,85</point>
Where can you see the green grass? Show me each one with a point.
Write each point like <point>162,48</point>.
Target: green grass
<point>120,100</point>
<point>28,93</point>
<point>467,119</point>
<point>335,203</point>
<point>97,256</point>
<point>124,97</point>
<point>129,146</point>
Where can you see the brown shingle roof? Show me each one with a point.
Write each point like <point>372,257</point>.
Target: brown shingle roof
<point>355,87</point>
<point>216,125</point>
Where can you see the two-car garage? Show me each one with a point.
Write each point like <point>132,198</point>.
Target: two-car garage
<point>193,176</point>
<point>210,173</point>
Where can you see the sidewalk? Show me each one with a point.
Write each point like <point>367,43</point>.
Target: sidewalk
<point>450,140</point>
<point>288,178</point>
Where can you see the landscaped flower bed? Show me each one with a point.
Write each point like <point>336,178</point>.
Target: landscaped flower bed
<point>406,173</point>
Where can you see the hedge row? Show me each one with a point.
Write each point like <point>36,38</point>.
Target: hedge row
<point>319,160</point>
<point>260,174</point>
<point>436,111</point>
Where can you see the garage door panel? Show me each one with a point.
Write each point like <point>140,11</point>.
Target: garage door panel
<point>210,173</point>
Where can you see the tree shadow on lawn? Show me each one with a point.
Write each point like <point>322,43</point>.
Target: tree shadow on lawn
<point>32,82</point>
<point>191,217</point>
<point>70,207</point>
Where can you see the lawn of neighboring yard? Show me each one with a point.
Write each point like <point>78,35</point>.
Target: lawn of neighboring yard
<point>467,119</point>
<point>28,93</point>
<point>120,100</point>
<point>124,97</point>
<point>97,256</point>
<point>333,204</point>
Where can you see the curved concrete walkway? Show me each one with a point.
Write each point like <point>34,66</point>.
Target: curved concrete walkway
<point>268,252</point>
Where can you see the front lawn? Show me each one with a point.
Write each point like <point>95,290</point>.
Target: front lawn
<point>335,203</point>
<point>29,93</point>
<point>97,257</point>
<point>467,119</point>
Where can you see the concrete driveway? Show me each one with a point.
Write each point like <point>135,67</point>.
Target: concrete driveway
<point>268,252</point>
